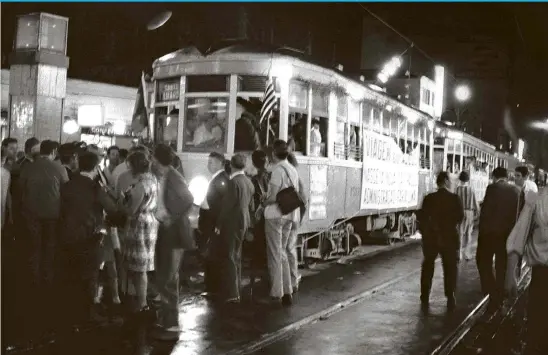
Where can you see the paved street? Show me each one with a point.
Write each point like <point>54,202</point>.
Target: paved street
<point>389,323</point>
<point>386,322</point>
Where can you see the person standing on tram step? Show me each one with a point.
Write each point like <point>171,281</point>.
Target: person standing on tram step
<point>278,227</point>
<point>468,199</point>
<point>232,225</point>
<point>439,220</point>
<point>175,235</point>
<point>497,218</point>
<point>209,213</point>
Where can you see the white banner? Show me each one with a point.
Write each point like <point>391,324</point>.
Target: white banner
<point>390,178</point>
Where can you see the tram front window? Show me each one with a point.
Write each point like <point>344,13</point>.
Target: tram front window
<point>205,124</point>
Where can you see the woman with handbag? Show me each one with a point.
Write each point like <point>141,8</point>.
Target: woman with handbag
<point>140,241</point>
<point>529,239</point>
<point>282,214</point>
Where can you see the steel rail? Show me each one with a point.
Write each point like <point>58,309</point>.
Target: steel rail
<point>451,341</point>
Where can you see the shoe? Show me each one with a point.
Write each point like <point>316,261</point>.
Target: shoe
<point>287,300</point>
<point>270,301</point>
<point>97,315</point>
<point>209,295</point>
<point>165,334</point>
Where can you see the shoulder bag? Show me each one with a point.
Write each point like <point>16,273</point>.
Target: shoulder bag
<point>289,199</point>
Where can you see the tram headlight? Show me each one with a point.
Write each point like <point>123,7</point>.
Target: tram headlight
<point>198,188</point>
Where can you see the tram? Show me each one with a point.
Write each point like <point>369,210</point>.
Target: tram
<point>374,153</point>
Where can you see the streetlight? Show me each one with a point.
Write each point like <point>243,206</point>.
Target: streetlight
<point>389,69</point>
<point>462,93</point>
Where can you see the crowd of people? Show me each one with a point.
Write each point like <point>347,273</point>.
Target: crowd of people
<point>513,227</point>
<point>106,244</point>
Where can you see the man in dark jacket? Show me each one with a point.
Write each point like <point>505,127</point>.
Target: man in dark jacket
<point>209,213</point>
<point>498,216</point>
<point>233,223</point>
<point>175,235</point>
<point>439,220</point>
<point>81,221</point>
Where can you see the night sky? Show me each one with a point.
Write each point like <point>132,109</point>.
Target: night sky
<point>108,42</point>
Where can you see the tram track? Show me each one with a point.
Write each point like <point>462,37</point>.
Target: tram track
<point>476,323</point>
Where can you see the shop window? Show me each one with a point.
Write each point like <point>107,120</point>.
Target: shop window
<point>166,125</point>
<point>206,121</point>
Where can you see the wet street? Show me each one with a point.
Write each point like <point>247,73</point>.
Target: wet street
<point>386,321</point>
<point>390,322</point>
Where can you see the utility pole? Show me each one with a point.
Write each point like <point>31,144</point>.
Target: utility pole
<point>242,23</point>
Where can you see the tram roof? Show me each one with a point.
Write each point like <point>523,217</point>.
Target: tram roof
<point>231,47</point>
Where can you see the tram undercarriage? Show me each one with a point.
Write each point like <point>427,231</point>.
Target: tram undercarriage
<point>345,237</point>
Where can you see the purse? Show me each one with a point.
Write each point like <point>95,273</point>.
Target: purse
<point>289,199</point>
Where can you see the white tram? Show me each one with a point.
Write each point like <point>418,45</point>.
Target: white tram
<point>373,152</point>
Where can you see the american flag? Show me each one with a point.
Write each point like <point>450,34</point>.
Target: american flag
<point>269,100</point>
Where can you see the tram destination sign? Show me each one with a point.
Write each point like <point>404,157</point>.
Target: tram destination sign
<point>390,177</point>
<point>168,90</point>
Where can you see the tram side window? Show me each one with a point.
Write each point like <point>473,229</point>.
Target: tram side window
<point>341,142</point>
<point>354,131</point>
<point>166,123</point>
<point>298,116</point>
<point>320,121</point>
<point>250,132</point>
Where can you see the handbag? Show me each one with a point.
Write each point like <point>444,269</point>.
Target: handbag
<point>289,199</point>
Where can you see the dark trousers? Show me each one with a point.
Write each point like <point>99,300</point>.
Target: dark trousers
<point>168,264</point>
<point>233,278</point>
<point>42,237</point>
<point>76,277</point>
<point>449,259</point>
<point>537,312</point>
<point>213,264</point>
<point>492,284</point>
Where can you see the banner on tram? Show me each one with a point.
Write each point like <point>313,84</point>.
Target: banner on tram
<point>390,178</point>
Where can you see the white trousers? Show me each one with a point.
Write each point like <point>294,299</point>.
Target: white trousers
<point>279,253</point>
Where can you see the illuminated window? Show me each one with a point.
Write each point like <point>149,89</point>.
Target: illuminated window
<point>320,121</point>
<point>206,122</point>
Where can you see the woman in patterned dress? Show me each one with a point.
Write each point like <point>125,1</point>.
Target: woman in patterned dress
<point>140,242</point>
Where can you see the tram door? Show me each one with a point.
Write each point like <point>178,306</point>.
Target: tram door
<point>165,125</point>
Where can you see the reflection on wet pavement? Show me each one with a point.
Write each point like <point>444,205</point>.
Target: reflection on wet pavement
<point>390,323</point>
<point>210,330</point>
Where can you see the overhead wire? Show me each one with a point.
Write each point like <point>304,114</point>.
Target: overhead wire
<point>411,43</point>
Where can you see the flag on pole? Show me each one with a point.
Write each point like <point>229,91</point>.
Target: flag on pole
<point>269,100</point>
<point>140,111</point>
